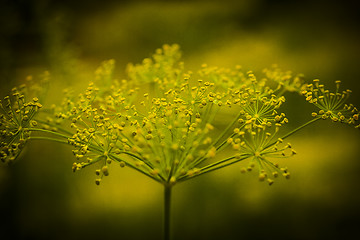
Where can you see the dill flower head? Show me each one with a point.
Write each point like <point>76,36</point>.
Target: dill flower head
<point>288,80</point>
<point>260,103</point>
<point>171,124</point>
<point>224,77</point>
<point>168,123</point>
<point>16,117</point>
<point>164,67</point>
<point>331,105</point>
<point>261,147</point>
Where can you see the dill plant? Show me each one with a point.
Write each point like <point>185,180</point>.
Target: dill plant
<point>168,123</point>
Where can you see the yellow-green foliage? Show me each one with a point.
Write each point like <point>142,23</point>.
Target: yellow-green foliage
<point>172,124</point>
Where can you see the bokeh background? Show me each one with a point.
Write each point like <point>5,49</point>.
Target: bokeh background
<point>40,197</point>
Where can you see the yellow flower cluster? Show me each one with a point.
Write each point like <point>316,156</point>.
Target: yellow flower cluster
<point>164,122</point>
<point>287,79</point>
<point>171,124</point>
<point>16,119</point>
<point>331,105</point>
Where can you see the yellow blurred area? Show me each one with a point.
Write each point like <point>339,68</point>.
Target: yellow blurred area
<point>41,198</point>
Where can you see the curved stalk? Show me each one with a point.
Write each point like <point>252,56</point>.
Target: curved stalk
<point>49,139</point>
<point>53,125</point>
<point>50,132</point>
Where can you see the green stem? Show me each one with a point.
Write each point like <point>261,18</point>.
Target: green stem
<point>227,129</point>
<point>49,139</point>
<point>294,131</point>
<point>50,132</point>
<point>145,172</point>
<point>167,208</point>
<point>54,125</point>
<point>214,166</point>
<point>300,127</point>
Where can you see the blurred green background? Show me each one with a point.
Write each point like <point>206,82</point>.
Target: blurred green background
<point>41,198</point>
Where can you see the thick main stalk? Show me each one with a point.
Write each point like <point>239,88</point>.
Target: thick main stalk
<point>167,208</point>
